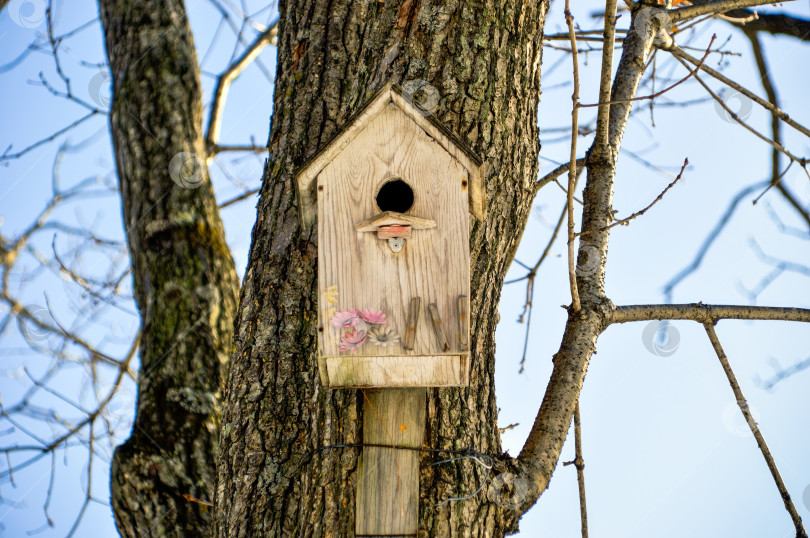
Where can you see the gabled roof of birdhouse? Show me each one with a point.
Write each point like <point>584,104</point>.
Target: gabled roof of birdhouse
<point>390,93</point>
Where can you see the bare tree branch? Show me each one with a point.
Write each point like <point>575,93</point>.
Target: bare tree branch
<point>704,313</point>
<point>680,53</point>
<point>224,82</point>
<point>665,90</point>
<point>763,447</point>
<point>710,8</point>
<point>773,23</point>
<point>557,172</point>
<point>572,165</point>
<point>627,220</point>
<point>579,463</point>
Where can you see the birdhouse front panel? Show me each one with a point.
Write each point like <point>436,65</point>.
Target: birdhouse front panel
<point>393,259</point>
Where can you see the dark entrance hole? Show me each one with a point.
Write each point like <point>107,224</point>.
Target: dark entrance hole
<point>395,195</point>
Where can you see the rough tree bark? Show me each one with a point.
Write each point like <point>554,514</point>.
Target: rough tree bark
<point>484,60</point>
<point>185,283</point>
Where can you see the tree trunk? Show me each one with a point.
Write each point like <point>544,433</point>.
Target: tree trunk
<point>275,478</point>
<point>185,283</point>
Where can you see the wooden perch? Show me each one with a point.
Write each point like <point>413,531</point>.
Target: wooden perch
<point>389,218</point>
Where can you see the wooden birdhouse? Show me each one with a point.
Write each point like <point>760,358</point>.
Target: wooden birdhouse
<point>392,194</point>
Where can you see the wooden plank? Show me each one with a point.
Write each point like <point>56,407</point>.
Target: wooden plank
<point>392,218</point>
<point>388,479</point>
<point>463,323</point>
<point>406,371</point>
<point>436,321</point>
<point>357,270</point>
<point>414,308</point>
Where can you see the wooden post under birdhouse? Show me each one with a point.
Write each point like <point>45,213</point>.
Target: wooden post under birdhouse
<point>388,478</point>
<point>393,194</point>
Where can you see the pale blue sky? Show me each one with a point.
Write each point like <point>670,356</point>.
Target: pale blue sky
<point>665,447</point>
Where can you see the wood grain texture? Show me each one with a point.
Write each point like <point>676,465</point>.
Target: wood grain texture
<point>357,270</point>
<point>388,479</point>
<point>388,96</point>
<point>406,371</point>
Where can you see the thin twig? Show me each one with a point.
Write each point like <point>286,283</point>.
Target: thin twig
<point>557,172</point>
<point>238,198</point>
<point>720,6</point>
<point>572,165</point>
<point>579,463</point>
<point>527,307</point>
<point>680,53</point>
<point>665,90</point>
<point>801,160</point>
<point>8,156</point>
<point>763,447</point>
<point>509,427</point>
<point>626,221</point>
<point>224,82</point>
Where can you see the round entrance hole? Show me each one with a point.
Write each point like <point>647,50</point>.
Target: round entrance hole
<point>395,195</point>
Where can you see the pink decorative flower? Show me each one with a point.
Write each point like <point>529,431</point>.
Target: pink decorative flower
<point>352,340</point>
<point>345,318</point>
<point>375,317</point>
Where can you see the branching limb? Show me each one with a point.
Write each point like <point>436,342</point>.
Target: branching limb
<point>224,83</point>
<point>541,451</point>
<point>678,52</point>
<point>776,145</point>
<point>773,100</point>
<point>602,104</point>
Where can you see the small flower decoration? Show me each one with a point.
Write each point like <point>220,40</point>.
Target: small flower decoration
<point>346,318</point>
<point>375,317</point>
<point>352,340</point>
<point>382,336</point>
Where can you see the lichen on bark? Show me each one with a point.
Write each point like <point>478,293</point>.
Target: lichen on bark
<point>184,279</point>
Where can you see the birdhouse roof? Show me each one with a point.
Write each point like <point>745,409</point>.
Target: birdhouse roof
<point>389,94</point>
